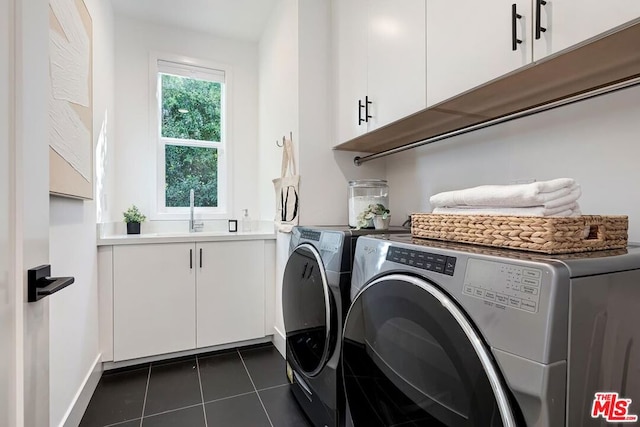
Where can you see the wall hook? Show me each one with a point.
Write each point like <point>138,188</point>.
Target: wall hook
<point>280,145</point>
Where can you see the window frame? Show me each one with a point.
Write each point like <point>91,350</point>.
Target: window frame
<point>202,69</point>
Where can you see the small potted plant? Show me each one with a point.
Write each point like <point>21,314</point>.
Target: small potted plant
<point>133,217</point>
<point>376,215</point>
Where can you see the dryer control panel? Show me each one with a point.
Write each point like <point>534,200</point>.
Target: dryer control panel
<point>504,284</point>
<point>425,260</point>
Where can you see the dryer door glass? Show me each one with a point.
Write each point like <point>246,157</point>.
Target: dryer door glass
<point>308,309</point>
<point>408,359</point>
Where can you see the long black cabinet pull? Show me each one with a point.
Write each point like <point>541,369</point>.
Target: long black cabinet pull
<point>360,107</point>
<point>366,109</point>
<point>191,258</point>
<point>539,28</point>
<point>515,41</point>
<point>200,257</point>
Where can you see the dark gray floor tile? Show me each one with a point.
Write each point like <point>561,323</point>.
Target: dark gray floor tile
<point>238,411</point>
<point>190,417</point>
<point>223,375</point>
<point>282,407</point>
<point>173,386</point>
<point>132,423</point>
<point>118,397</point>
<point>266,366</point>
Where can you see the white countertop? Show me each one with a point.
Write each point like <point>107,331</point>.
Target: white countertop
<point>107,236</point>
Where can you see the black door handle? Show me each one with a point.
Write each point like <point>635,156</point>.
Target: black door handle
<point>191,259</point>
<point>200,257</point>
<point>40,285</point>
<point>360,107</point>
<point>515,41</point>
<point>539,28</point>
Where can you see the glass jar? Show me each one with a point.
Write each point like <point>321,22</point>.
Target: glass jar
<point>365,192</point>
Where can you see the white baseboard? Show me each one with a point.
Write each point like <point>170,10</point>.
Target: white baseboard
<point>74,414</point>
<point>279,341</point>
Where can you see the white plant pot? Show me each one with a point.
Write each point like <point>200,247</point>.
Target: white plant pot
<point>380,223</point>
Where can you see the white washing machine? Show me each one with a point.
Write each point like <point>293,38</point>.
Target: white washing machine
<point>455,335</point>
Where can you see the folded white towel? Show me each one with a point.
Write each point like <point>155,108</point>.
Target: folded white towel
<point>571,209</point>
<point>518,195</point>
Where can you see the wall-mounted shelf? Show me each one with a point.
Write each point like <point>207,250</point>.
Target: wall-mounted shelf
<point>600,65</point>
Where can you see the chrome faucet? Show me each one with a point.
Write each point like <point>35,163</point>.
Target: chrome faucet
<point>193,225</point>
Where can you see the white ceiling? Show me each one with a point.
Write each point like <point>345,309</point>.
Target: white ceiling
<point>236,19</point>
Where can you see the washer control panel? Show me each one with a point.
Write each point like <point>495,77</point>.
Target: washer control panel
<point>310,235</point>
<point>504,284</point>
<point>425,260</point>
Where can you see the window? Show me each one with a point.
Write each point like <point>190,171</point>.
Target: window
<point>191,134</point>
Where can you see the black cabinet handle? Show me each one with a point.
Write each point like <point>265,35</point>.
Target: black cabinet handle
<point>41,285</point>
<point>200,257</point>
<point>539,28</point>
<point>191,258</point>
<point>515,41</point>
<point>360,107</point>
<point>366,108</point>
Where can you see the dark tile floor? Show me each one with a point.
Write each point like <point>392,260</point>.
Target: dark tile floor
<point>246,387</point>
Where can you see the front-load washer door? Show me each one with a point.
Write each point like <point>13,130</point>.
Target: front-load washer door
<point>411,357</point>
<point>309,312</point>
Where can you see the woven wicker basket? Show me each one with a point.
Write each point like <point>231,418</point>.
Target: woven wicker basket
<point>552,235</point>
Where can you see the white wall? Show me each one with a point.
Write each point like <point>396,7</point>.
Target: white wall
<point>135,150</point>
<point>278,97</point>
<point>74,334</point>
<point>594,141</point>
<point>278,102</point>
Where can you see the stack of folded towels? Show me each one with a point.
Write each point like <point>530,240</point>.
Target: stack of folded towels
<point>557,197</point>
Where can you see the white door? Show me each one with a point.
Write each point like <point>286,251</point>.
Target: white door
<point>471,42</point>
<point>153,299</point>
<point>8,400</point>
<point>230,292</point>
<point>396,60</point>
<point>570,22</point>
<point>29,194</point>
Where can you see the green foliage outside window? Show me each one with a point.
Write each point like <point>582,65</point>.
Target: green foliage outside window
<point>191,167</point>
<point>191,109</point>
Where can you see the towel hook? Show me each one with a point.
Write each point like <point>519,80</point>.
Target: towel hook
<point>280,145</point>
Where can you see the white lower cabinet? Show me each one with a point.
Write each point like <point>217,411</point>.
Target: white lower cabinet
<point>174,297</point>
<point>230,292</point>
<point>154,300</point>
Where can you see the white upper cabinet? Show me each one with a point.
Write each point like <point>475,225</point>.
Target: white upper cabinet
<point>471,42</point>
<point>350,41</point>
<point>571,22</point>
<point>396,62</point>
<point>380,60</point>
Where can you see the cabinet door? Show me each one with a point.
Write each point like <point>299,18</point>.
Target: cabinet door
<point>570,22</point>
<point>396,62</point>
<point>230,292</point>
<point>153,299</point>
<point>350,41</point>
<point>469,42</point>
